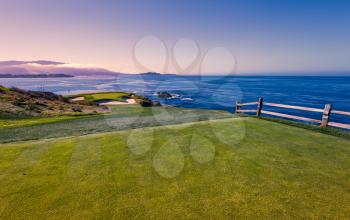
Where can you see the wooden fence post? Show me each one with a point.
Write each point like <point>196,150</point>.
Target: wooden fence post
<point>237,107</point>
<point>326,113</point>
<point>260,105</point>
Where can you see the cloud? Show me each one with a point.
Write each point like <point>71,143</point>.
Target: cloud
<point>41,62</point>
<point>51,67</point>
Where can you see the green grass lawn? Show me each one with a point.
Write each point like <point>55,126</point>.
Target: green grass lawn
<point>34,121</point>
<point>220,169</point>
<point>120,118</point>
<point>92,97</point>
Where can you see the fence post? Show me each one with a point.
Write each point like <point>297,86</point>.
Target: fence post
<point>326,113</point>
<point>260,105</point>
<point>237,107</point>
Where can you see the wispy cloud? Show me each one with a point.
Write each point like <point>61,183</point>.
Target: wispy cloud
<point>50,67</point>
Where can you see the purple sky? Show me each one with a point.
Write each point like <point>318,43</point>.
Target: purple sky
<point>161,35</point>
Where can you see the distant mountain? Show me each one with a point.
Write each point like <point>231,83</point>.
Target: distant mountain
<point>156,74</point>
<point>34,75</point>
<point>16,68</point>
<point>150,74</point>
<point>41,62</point>
<point>45,67</point>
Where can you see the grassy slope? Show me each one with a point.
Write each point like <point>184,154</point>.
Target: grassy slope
<point>35,121</point>
<point>261,169</point>
<point>19,104</point>
<point>121,118</point>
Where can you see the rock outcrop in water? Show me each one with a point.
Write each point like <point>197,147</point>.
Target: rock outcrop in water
<point>164,95</point>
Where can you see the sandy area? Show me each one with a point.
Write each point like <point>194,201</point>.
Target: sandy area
<point>77,99</point>
<point>128,102</point>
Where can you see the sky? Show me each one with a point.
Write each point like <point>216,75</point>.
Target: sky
<point>182,36</point>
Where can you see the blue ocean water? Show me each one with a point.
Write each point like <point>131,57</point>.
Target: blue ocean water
<point>209,92</point>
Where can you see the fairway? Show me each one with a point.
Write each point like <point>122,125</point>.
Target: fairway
<point>218,169</point>
<point>92,97</point>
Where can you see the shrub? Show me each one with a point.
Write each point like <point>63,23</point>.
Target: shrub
<point>6,115</point>
<point>33,107</point>
<point>20,103</point>
<point>35,94</point>
<point>41,104</point>
<point>77,108</point>
<point>3,89</point>
<point>148,103</point>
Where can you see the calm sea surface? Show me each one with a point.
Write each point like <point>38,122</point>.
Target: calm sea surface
<point>211,92</point>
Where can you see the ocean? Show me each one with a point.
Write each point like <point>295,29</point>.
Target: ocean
<point>212,92</point>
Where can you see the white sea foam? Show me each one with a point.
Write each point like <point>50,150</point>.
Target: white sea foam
<point>187,99</point>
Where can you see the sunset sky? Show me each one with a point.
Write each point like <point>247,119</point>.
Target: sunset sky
<point>264,36</point>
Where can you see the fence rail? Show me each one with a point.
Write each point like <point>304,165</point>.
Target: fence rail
<point>323,122</point>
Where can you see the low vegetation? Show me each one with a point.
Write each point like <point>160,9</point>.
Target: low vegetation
<point>219,169</point>
<point>17,103</point>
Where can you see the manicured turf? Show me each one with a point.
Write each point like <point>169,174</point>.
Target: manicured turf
<point>220,169</point>
<point>121,118</point>
<point>104,95</point>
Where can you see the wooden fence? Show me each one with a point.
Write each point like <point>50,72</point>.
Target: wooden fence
<point>323,122</point>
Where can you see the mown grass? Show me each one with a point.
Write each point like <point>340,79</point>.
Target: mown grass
<point>220,169</point>
<point>120,118</point>
<point>325,130</point>
<point>92,97</point>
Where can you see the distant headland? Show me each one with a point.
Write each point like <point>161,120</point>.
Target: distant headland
<point>35,76</point>
<point>156,74</point>
<point>52,69</point>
